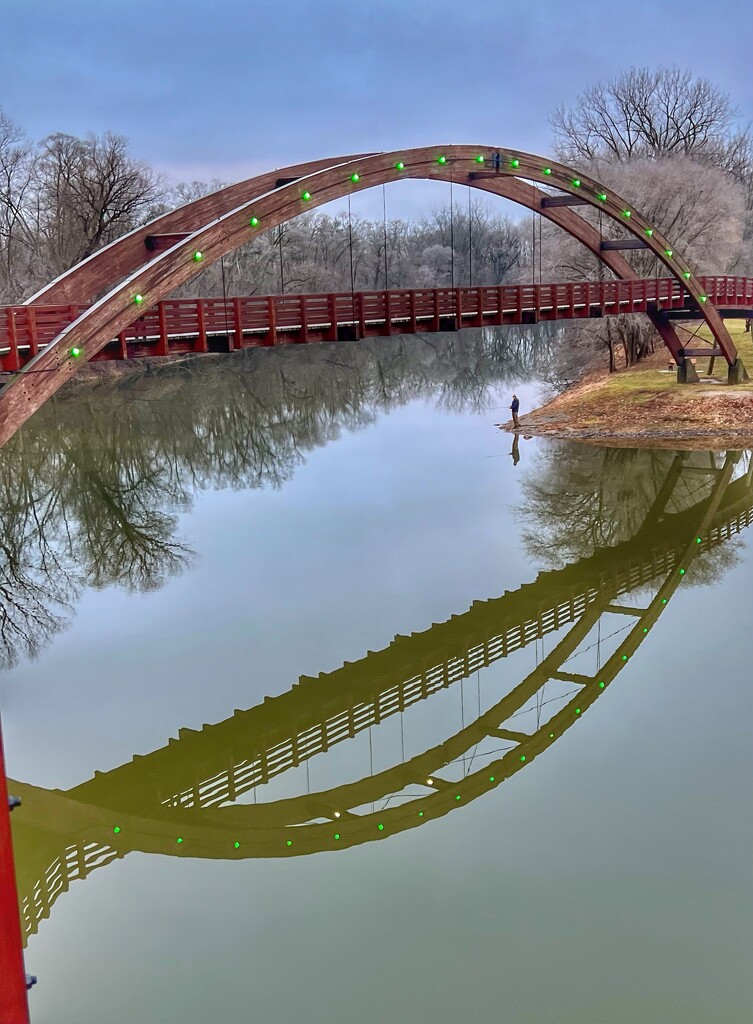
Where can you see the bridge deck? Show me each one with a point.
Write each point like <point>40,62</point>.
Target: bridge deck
<point>179,326</point>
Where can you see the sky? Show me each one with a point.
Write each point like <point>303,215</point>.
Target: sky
<point>229,88</point>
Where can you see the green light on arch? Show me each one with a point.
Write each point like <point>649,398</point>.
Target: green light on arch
<point>400,166</point>
<point>480,158</point>
<point>355,177</point>
<point>116,829</point>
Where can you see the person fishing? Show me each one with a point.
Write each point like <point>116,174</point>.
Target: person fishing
<point>514,408</point>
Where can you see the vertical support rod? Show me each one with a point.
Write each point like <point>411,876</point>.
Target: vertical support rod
<point>14,1006</point>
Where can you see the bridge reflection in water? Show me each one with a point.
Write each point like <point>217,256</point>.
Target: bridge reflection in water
<point>187,799</point>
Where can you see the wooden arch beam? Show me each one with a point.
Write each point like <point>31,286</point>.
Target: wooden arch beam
<point>85,282</point>
<point>159,278</point>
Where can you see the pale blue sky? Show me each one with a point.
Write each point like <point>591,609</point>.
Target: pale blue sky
<point>229,88</point>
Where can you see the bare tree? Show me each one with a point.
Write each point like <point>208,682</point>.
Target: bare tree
<point>644,112</point>
<point>89,191</point>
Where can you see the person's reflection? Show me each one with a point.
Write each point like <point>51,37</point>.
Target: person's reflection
<point>515,449</point>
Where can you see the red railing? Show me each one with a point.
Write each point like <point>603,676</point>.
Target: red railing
<point>203,325</point>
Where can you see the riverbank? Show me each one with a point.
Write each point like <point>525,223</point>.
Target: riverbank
<point>645,406</point>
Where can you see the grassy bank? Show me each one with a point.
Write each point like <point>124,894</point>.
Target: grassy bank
<point>645,404</point>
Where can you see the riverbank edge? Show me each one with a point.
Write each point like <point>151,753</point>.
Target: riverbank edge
<point>644,406</point>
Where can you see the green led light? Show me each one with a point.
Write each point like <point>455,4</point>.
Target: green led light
<point>602,196</point>
<point>457,797</point>
<point>290,842</point>
<point>442,160</point>
<point>522,757</point>
<point>576,182</point>
<point>337,835</point>
<point>624,657</point>
<point>668,252</point>
<point>116,829</point>
<point>664,600</point>
<point>551,735</point>
<point>491,778</point>
<point>703,298</point>
<point>355,177</point>
<point>305,196</point>
<point>686,275</point>
<point>254,222</point>
<point>179,839</point>
<point>380,827</point>
<point>237,845</point>
<point>400,166</point>
<point>479,159</point>
<point>626,213</point>
<point>420,814</point>
<point>602,685</point>
<point>682,572</point>
<point>198,256</point>
<point>649,231</point>
<point>645,629</point>
<point>515,162</point>
<point>577,711</point>
<point>138,299</point>
<point>75,352</point>
<point>698,540</point>
<point>547,170</point>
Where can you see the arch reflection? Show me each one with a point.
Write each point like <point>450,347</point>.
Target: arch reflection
<point>184,799</point>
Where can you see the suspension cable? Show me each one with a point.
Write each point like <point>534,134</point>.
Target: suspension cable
<point>452,237</point>
<point>470,240</point>
<point>350,246</point>
<point>384,226</point>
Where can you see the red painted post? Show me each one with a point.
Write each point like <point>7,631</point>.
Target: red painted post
<point>14,1006</point>
<point>123,345</point>
<point>162,340</point>
<point>500,317</point>
<point>387,313</point>
<point>201,342</point>
<point>458,309</point>
<point>412,309</point>
<point>435,321</point>
<point>272,317</point>
<point>304,322</point>
<point>33,337</point>
<point>479,307</point>
<point>237,343</point>
<point>332,314</point>
<point>361,316</point>
<point>12,357</point>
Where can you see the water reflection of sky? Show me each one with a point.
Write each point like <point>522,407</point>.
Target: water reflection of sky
<point>610,880</point>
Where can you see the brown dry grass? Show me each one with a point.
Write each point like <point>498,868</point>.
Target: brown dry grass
<point>645,406</point>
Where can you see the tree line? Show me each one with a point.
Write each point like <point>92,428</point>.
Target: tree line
<point>669,141</point>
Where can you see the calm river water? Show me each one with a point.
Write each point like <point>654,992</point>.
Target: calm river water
<point>326,707</point>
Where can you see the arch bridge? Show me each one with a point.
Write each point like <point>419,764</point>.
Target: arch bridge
<point>110,290</point>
